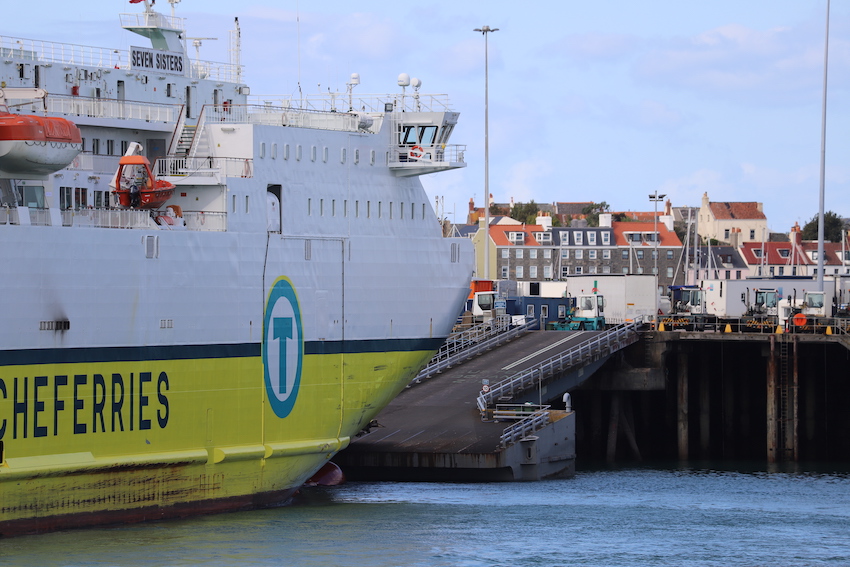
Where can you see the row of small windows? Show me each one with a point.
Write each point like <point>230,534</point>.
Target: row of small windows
<point>314,151</point>
<point>579,254</point>
<point>95,146</point>
<point>534,272</point>
<point>367,209</point>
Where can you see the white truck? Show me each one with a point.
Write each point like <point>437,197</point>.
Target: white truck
<point>627,296</point>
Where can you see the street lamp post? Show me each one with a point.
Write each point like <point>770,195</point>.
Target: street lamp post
<point>485,30</point>
<point>655,198</point>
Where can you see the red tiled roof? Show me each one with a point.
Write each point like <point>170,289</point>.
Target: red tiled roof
<point>727,211</point>
<point>666,237</point>
<point>498,233</point>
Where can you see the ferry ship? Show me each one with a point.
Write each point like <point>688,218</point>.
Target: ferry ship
<point>205,294</point>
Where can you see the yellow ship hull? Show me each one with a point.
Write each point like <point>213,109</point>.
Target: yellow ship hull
<point>93,443</point>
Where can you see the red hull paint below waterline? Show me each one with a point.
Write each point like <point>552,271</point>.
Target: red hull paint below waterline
<point>31,526</point>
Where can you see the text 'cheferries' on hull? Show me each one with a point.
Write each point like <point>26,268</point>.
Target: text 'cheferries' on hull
<point>204,298</point>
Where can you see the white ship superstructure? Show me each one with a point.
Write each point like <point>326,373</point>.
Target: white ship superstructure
<point>214,352</point>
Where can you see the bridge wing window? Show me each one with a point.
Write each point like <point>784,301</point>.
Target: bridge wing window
<point>408,136</point>
<point>427,135</point>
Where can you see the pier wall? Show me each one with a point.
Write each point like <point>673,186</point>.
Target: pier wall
<point>691,396</point>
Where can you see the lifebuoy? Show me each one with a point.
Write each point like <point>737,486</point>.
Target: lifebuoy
<point>416,152</point>
<point>799,319</point>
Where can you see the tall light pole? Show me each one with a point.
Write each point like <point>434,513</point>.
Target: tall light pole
<point>655,198</point>
<point>485,30</point>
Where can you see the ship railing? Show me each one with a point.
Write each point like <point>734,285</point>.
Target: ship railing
<point>67,53</point>
<point>599,345</point>
<point>283,116</point>
<point>372,103</point>
<point>206,221</point>
<point>462,346</point>
<point>527,425</point>
<point>423,154</point>
<point>99,108</point>
<point>107,218</point>
<point>204,167</point>
<point>104,58</point>
<point>86,161</point>
<point>152,20</point>
<point>9,215</point>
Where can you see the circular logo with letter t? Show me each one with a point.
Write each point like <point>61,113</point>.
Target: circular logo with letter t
<point>283,346</point>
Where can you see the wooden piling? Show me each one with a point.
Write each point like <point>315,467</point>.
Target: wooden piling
<point>682,406</point>
<point>772,425</point>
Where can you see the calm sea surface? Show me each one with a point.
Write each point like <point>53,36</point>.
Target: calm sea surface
<point>676,515</point>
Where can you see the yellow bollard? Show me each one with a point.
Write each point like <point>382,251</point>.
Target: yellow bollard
<point>779,329</point>
<point>728,328</point>
<point>661,326</point>
<point>828,330</point>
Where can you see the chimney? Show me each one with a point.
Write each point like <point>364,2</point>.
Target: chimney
<point>734,237</point>
<point>471,204</point>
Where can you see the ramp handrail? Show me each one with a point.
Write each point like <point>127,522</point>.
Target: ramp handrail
<point>604,343</point>
<point>463,346</point>
<point>523,428</point>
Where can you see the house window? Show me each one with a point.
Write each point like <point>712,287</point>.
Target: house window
<point>757,252</point>
<point>669,254</point>
<point>578,237</point>
<point>729,273</point>
<point>579,254</point>
<point>532,253</point>
<point>606,254</point>
<point>532,272</point>
<point>506,253</point>
<point>726,234</point>
<point>752,234</point>
<point>519,253</point>
<point>625,269</point>
<point>547,272</point>
<point>565,271</point>
<point>591,254</point>
<point>518,272</point>
<point>771,271</point>
<point>591,238</point>
<point>547,253</point>
<point>784,252</point>
<point>670,272</point>
<point>737,274</point>
<point>606,269</point>
<point>591,269</point>
<point>529,310</point>
<point>544,311</point>
<point>781,270</point>
<point>504,272</point>
<point>565,254</point>
<point>640,254</point>
<point>579,270</point>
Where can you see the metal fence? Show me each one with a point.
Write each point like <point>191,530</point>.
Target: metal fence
<point>585,352</point>
<point>471,342</point>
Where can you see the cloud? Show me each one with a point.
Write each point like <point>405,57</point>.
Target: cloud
<point>593,47</point>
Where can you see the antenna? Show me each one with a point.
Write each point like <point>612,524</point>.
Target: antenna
<point>236,49</point>
<point>197,41</point>
<point>349,87</point>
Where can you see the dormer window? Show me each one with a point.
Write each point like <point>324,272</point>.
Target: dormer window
<point>784,252</point>
<point>579,240</point>
<point>757,252</point>
<point>517,237</point>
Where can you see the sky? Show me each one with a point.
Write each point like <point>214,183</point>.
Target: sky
<point>588,101</point>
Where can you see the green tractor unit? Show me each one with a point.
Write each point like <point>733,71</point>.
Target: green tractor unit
<point>588,314</point>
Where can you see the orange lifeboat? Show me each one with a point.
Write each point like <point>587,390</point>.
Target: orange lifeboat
<point>136,187</point>
<point>35,146</point>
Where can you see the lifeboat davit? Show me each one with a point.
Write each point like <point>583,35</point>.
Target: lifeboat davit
<point>136,187</point>
<point>35,146</point>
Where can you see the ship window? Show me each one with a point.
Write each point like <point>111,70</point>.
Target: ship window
<point>298,152</point>
<point>408,136</point>
<point>412,211</point>
<point>380,208</point>
<point>80,197</point>
<point>83,144</point>
<point>321,207</point>
<point>372,157</point>
<point>368,209</point>
<point>423,211</point>
<point>428,134</point>
<point>356,156</point>
<point>445,133</point>
<point>65,200</point>
<point>262,149</point>
<point>98,199</point>
<point>95,146</point>
<point>274,151</point>
<point>333,207</point>
<point>342,155</point>
<point>357,209</point>
<point>110,147</point>
<point>286,151</point>
<point>233,205</point>
<point>309,207</point>
<point>124,145</point>
<point>325,154</point>
<point>313,153</point>
<point>391,209</point>
<point>246,204</point>
<point>345,208</point>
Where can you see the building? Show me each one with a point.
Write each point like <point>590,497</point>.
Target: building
<point>731,221</point>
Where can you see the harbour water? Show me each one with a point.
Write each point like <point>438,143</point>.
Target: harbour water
<point>683,515</point>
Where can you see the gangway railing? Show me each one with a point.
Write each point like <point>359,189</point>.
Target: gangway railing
<point>523,428</point>
<point>472,342</point>
<point>602,344</point>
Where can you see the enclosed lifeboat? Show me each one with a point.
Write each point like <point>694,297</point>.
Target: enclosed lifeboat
<point>136,187</point>
<point>35,146</point>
